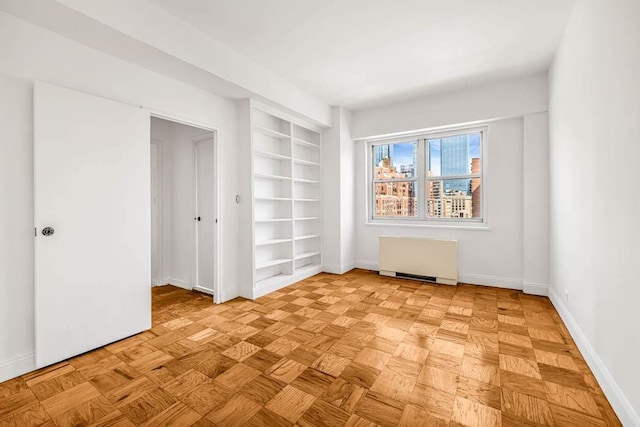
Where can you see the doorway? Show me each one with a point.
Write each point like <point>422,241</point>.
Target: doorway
<point>183,205</point>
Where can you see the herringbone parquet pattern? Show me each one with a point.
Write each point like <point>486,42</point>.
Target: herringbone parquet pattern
<point>357,350</point>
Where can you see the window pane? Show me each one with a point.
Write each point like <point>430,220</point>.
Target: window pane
<point>455,155</point>
<point>395,160</point>
<point>396,199</point>
<point>454,198</point>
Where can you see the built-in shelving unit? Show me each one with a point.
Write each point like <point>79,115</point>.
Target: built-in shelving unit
<point>286,200</point>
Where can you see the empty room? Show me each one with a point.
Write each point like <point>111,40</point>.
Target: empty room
<point>319,213</point>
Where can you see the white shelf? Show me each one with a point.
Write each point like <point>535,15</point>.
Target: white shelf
<point>273,262</point>
<point>271,155</point>
<point>274,220</point>
<point>271,132</point>
<point>305,162</point>
<point>307,267</point>
<point>306,255</point>
<point>307,236</point>
<point>269,281</point>
<point>272,242</point>
<point>293,150</point>
<point>303,143</point>
<point>275,177</point>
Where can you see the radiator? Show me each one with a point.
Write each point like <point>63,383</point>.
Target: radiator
<point>429,259</point>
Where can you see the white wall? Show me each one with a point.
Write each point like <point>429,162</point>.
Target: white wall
<point>490,256</point>
<point>594,154</point>
<point>508,98</point>
<point>535,212</point>
<point>29,53</point>
<point>17,334</point>
<point>331,200</point>
<point>338,198</point>
<point>145,34</point>
<point>347,192</point>
<point>496,256</point>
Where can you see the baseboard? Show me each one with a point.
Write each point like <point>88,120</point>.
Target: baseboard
<point>494,281</point>
<point>532,288</point>
<point>612,391</point>
<point>338,269</point>
<point>179,283</point>
<point>257,292</point>
<point>473,279</point>
<point>18,366</point>
<point>246,293</point>
<point>367,265</point>
<point>203,290</point>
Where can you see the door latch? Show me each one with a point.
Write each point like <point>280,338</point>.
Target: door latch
<point>48,231</point>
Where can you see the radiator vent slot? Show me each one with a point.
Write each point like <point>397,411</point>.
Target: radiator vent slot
<point>431,279</point>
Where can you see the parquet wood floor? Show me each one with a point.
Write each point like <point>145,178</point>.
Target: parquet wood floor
<point>355,350</point>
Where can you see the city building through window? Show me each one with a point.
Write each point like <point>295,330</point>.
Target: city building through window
<point>432,177</point>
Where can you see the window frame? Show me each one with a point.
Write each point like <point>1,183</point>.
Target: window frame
<point>420,179</point>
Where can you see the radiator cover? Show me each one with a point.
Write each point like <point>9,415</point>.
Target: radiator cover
<point>420,257</point>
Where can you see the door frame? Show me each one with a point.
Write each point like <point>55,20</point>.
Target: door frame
<point>159,231</point>
<point>217,204</point>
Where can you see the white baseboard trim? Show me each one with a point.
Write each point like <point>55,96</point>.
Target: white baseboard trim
<point>473,279</point>
<point>246,293</point>
<point>367,265</point>
<point>18,366</point>
<point>179,283</point>
<point>494,281</point>
<point>338,269</point>
<point>621,405</point>
<point>257,292</point>
<point>532,288</point>
<point>203,290</point>
<point>228,294</point>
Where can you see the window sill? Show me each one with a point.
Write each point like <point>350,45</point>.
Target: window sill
<point>476,226</point>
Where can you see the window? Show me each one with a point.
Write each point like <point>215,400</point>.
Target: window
<point>432,177</point>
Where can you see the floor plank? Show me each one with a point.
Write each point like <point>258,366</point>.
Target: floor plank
<point>357,349</point>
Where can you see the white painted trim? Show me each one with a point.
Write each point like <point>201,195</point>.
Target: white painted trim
<point>159,210</point>
<point>367,265</point>
<point>532,288</point>
<point>621,405</point>
<point>219,204</point>
<point>179,283</point>
<point>162,282</point>
<point>420,223</point>
<point>246,293</point>
<point>258,292</point>
<point>477,279</point>
<point>227,296</point>
<point>18,366</point>
<point>203,290</point>
<point>339,269</point>
<point>261,291</point>
<point>493,281</point>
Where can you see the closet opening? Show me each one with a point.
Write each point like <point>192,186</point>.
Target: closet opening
<point>184,206</point>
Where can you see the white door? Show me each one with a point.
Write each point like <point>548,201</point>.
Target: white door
<point>205,213</point>
<point>91,164</point>
<point>156,264</point>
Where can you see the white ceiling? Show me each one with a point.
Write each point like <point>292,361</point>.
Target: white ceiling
<point>361,53</point>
